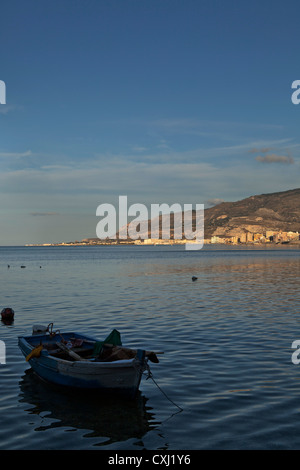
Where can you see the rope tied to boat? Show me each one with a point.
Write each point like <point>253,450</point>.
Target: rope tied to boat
<point>150,376</point>
<point>51,332</point>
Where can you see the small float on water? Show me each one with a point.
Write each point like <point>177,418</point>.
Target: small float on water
<point>79,361</point>
<point>7,315</point>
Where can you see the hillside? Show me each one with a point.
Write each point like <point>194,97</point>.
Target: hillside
<point>275,211</point>
<point>255,214</point>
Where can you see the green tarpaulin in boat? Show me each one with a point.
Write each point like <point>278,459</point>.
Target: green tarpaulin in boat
<point>113,338</point>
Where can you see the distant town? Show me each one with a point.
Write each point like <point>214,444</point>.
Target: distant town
<point>249,238</point>
<point>265,219</point>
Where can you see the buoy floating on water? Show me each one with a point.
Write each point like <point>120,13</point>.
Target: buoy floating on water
<point>7,315</point>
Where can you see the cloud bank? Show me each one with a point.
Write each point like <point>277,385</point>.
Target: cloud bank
<point>273,158</point>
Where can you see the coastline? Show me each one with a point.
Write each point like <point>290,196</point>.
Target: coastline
<point>295,243</point>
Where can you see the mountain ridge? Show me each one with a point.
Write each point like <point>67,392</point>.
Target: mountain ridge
<point>278,211</point>
<point>258,214</point>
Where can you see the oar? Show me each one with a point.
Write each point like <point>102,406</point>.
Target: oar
<point>71,353</point>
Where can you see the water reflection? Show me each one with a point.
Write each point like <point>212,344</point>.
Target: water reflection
<point>113,419</point>
<point>226,338</point>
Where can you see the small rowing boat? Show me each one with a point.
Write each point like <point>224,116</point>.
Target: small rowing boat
<point>75,360</point>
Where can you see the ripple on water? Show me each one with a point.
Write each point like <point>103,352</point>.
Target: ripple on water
<point>226,340</point>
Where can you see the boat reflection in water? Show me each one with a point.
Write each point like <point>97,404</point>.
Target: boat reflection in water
<point>114,419</point>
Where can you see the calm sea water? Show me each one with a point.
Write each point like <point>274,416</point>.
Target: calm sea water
<point>226,339</point>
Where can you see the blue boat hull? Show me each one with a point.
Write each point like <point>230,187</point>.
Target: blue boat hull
<point>121,376</point>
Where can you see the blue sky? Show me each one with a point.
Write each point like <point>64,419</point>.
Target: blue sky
<point>165,101</point>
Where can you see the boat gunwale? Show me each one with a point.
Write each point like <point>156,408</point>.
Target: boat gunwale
<point>87,362</point>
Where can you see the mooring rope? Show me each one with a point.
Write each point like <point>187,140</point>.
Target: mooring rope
<point>150,376</point>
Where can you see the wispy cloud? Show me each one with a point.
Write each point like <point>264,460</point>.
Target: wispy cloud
<point>137,148</point>
<point>28,153</point>
<point>273,158</point>
<point>44,214</point>
<point>5,108</point>
<point>203,127</point>
<point>262,150</point>
<point>213,202</point>
<point>280,156</point>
